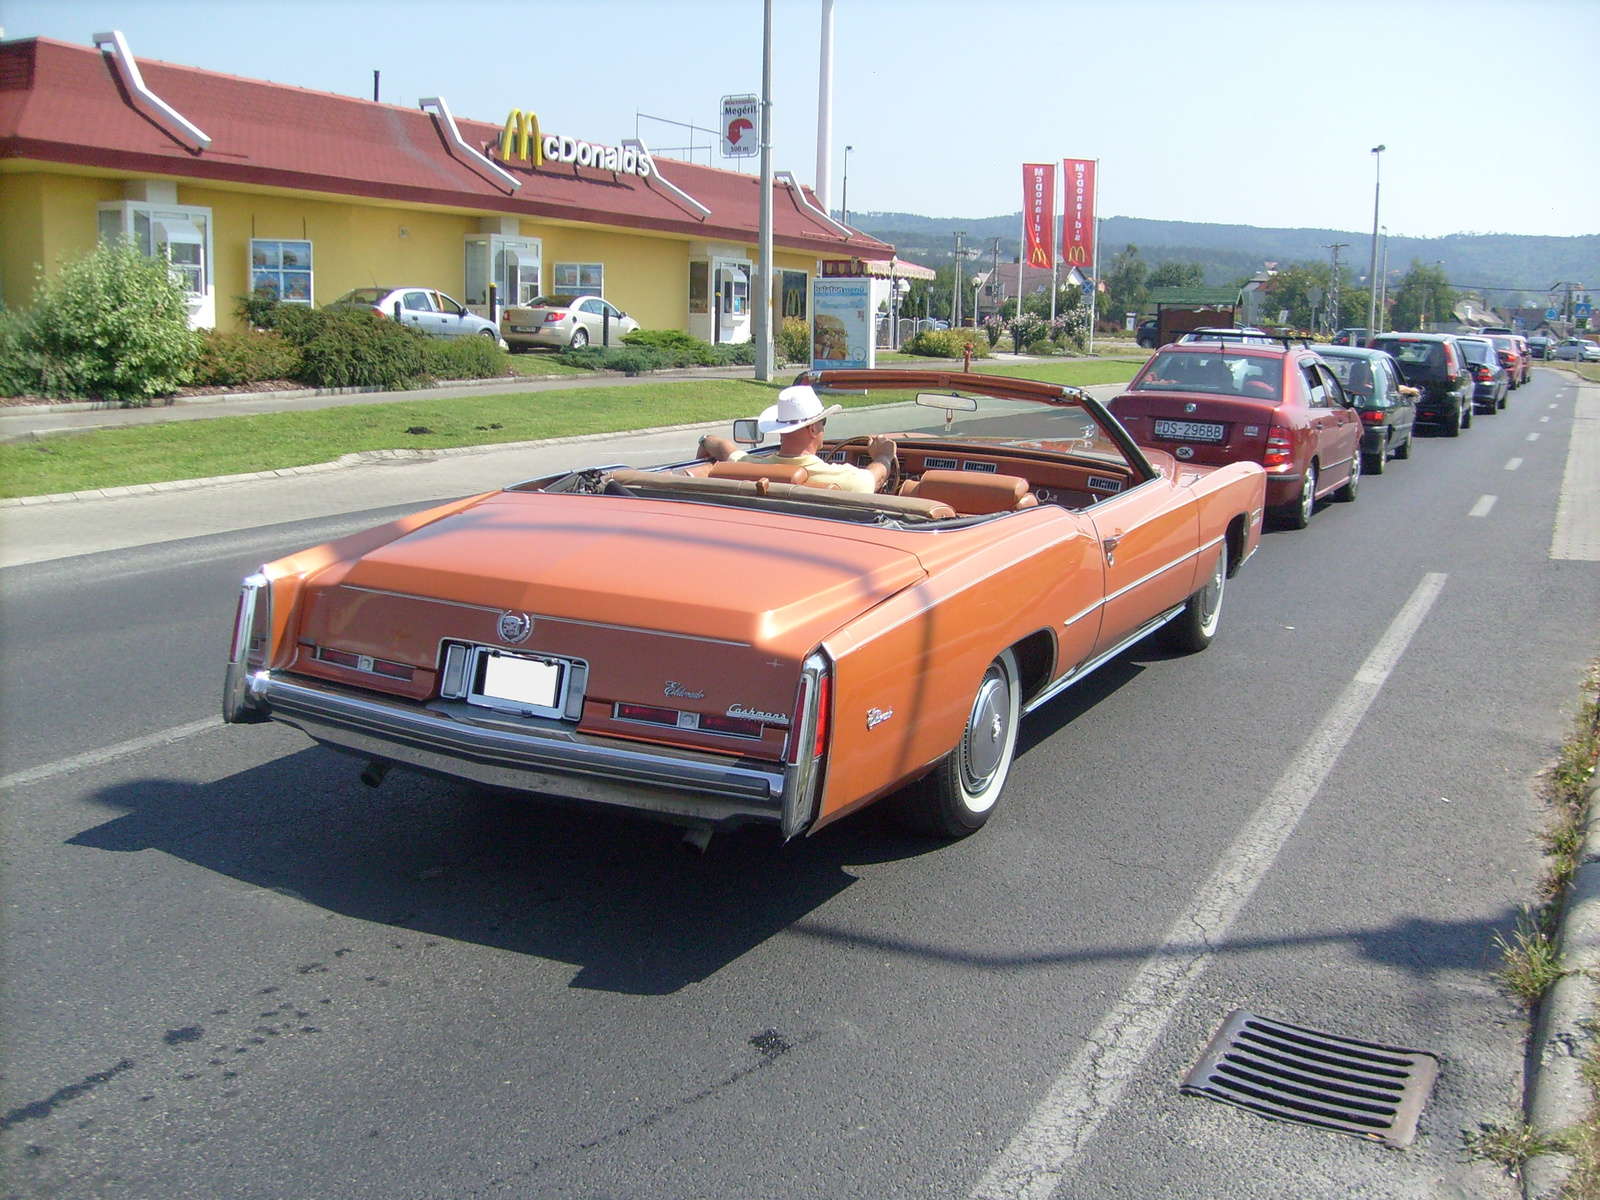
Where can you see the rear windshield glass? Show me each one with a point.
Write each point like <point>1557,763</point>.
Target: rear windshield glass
<point>362,296</point>
<point>1415,354</point>
<point>1476,351</point>
<point>1253,376</point>
<point>550,302</point>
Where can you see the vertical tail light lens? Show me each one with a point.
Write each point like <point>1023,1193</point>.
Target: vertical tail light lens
<point>824,714</point>
<point>1280,448</point>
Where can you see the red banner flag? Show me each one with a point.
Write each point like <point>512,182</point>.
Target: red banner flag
<point>1039,213</point>
<point>1077,234</point>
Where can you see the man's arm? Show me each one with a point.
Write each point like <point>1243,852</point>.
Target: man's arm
<point>717,449</point>
<point>882,451</point>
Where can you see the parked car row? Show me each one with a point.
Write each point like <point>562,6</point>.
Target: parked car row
<point>559,322</point>
<point>1576,349</point>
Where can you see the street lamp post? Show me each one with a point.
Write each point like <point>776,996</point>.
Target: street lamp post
<point>1383,284</point>
<point>1372,271</point>
<point>844,189</point>
<point>956,281</point>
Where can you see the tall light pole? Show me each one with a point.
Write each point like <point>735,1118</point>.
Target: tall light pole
<point>844,191</point>
<point>955,304</point>
<point>1383,295</point>
<point>1372,271</point>
<point>763,297</point>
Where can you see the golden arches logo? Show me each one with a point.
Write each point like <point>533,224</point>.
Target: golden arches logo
<point>1077,255</point>
<point>520,140</point>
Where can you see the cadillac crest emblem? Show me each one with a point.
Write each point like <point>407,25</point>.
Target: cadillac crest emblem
<point>514,627</point>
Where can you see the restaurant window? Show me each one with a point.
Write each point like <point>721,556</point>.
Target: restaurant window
<point>699,287</point>
<point>180,235</point>
<point>577,279</point>
<point>281,268</point>
<point>793,287</point>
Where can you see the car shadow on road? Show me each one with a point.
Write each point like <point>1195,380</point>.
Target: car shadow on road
<point>613,894</point>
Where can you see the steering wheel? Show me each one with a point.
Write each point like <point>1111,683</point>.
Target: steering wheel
<point>891,485</point>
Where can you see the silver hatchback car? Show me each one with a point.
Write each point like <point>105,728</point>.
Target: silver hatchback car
<point>425,310</point>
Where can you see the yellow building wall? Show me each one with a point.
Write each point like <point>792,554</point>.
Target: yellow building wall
<point>45,216</point>
<point>43,219</point>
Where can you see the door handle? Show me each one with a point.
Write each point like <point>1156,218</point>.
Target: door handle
<point>1110,545</point>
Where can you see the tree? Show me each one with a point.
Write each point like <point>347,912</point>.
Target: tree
<point>1126,289</point>
<point>1177,274</point>
<point>1423,294</point>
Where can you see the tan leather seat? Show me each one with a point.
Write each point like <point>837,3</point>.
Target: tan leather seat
<point>770,471</point>
<point>972,493</point>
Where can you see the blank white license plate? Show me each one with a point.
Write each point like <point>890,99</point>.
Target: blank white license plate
<point>1191,431</point>
<point>524,329</point>
<point>529,681</point>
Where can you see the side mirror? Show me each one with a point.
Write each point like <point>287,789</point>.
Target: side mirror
<point>747,432</point>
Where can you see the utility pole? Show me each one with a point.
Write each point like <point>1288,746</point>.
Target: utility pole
<point>1333,287</point>
<point>763,297</point>
<point>955,307</point>
<point>824,187</point>
<point>1383,292</point>
<point>1372,271</point>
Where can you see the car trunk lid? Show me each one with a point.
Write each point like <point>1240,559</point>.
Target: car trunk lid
<point>1212,429</point>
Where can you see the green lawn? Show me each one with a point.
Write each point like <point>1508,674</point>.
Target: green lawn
<point>232,445</point>
<point>536,362</point>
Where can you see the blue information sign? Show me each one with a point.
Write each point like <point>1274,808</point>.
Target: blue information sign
<point>1581,311</point>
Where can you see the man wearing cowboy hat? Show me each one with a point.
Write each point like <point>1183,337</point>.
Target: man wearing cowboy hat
<point>798,419</point>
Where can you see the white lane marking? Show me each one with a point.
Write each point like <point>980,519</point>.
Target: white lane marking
<point>1036,1161</point>
<point>1533,437</point>
<point>90,758</point>
<point>1513,464</point>
<point>1552,406</point>
<point>1544,420</point>
<point>1482,507</point>
<point>1577,529</point>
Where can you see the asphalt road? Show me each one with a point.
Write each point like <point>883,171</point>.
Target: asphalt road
<point>233,971</point>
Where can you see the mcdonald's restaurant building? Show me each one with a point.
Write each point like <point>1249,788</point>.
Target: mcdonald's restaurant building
<point>243,184</point>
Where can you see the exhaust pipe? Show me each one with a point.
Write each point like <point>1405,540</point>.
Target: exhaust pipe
<point>697,837</point>
<point>372,774</point>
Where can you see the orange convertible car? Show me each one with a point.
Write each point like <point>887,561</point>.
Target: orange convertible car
<point>716,644</point>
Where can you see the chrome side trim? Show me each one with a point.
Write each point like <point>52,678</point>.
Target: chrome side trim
<point>560,762</point>
<point>146,101</point>
<point>537,617</point>
<point>1072,677</point>
<point>800,781</point>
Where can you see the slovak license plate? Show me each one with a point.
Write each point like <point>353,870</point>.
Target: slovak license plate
<point>1190,431</point>
<point>532,681</point>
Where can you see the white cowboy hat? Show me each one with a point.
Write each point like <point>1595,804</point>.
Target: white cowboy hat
<point>796,408</point>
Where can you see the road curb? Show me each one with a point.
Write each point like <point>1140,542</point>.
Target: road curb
<point>1557,1097</point>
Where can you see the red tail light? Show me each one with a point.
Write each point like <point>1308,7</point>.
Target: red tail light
<point>380,312</point>
<point>1371,414</point>
<point>824,715</point>
<point>1482,374</point>
<point>550,318</point>
<point>1280,449</point>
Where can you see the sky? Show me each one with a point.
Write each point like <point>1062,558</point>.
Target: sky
<point>1235,113</point>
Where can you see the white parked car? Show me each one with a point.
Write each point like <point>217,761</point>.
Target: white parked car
<point>565,322</point>
<point>1577,350</point>
<point>424,309</point>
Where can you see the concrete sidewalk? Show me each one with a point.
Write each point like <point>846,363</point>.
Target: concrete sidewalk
<point>46,532</point>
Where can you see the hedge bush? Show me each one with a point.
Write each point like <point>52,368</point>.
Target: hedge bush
<point>474,357</point>
<point>230,359</point>
<point>355,349</point>
<point>658,350</point>
<point>112,325</point>
<point>946,343</point>
<point>794,340</point>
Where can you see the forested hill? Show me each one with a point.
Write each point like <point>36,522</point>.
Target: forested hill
<point>1229,252</point>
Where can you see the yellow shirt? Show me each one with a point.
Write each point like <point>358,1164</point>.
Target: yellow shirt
<point>820,473</point>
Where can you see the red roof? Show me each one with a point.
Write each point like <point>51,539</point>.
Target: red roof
<point>65,104</point>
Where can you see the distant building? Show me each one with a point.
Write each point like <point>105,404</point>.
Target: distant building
<point>996,287</point>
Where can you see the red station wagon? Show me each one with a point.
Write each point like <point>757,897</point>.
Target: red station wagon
<point>1224,400</point>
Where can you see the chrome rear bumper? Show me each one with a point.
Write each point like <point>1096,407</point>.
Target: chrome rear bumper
<point>552,760</point>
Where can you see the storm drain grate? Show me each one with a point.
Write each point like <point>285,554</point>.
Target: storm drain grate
<point>1288,1073</point>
